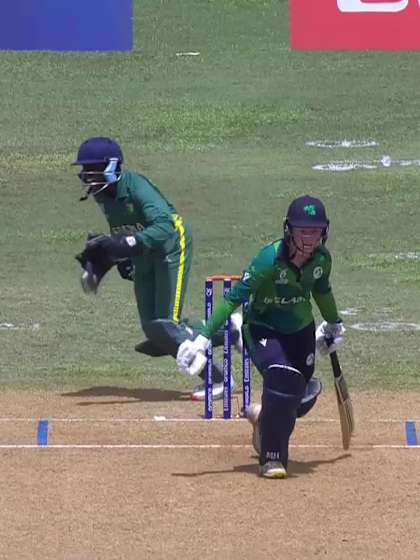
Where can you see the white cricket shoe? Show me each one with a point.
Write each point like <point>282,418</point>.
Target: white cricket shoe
<point>236,322</point>
<point>199,392</point>
<point>253,415</point>
<point>273,469</point>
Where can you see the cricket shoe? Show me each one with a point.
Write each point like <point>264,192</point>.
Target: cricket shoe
<point>199,393</point>
<point>236,322</point>
<point>273,469</point>
<point>253,416</point>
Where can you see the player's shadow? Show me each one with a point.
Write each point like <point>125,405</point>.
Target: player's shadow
<point>295,468</point>
<point>129,395</point>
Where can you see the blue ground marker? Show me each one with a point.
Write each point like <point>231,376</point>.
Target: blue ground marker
<point>42,435</point>
<point>410,433</point>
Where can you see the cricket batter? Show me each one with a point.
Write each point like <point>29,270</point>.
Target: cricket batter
<point>279,328</point>
<point>150,244</point>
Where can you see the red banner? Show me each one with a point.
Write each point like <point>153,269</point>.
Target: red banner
<point>355,25</point>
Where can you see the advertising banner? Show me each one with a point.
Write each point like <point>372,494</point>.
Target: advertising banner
<point>355,25</point>
<point>66,25</point>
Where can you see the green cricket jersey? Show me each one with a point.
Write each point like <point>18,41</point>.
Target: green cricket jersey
<point>140,209</point>
<point>162,270</point>
<point>279,293</point>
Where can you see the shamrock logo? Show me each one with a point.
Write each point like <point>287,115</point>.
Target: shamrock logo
<point>310,210</point>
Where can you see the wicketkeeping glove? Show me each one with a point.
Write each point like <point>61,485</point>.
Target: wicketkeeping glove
<point>191,356</point>
<point>126,269</point>
<point>115,247</point>
<point>328,337</point>
<point>95,266</point>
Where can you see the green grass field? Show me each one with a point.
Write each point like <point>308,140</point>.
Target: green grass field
<point>223,135</point>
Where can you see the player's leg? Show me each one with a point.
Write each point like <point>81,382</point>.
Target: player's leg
<point>165,295</point>
<point>144,289</point>
<point>283,389</point>
<point>166,337</point>
<point>301,352</point>
<point>164,331</point>
<point>300,349</point>
<point>172,275</point>
<point>312,392</point>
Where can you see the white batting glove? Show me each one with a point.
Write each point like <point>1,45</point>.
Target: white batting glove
<point>191,356</point>
<point>237,320</point>
<point>328,337</point>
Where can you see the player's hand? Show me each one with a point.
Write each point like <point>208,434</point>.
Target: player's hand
<point>94,266</point>
<point>116,247</point>
<point>328,337</point>
<point>126,269</point>
<point>191,356</point>
<point>89,280</point>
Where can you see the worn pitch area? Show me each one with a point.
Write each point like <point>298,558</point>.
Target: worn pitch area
<point>141,487</point>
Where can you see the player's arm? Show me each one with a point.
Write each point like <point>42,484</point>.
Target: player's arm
<point>222,311</point>
<point>324,297</point>
<point>330,332</point>
<point>327,305</point>
<point>159,227</point>
<point>191,356</point>
<point>159,223</point>
<point>251,279</point>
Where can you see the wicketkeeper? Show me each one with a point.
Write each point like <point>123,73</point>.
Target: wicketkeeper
<point>148,242</point>
<point>279,329</point>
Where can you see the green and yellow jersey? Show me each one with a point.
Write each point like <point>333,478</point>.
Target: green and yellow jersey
<point>140,209</point>
<point>162,270</point>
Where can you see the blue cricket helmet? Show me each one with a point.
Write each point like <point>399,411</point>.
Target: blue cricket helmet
<point>98,150</point>
<point>306,212</point>
<point>101,160</point>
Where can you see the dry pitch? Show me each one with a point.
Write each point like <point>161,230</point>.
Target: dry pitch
<point>124,483</point>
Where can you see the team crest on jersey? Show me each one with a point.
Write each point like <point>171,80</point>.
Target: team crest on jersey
<point>130,208</point>
<point>317,272</point>
<point>282,279</point>
<point>310,359</point>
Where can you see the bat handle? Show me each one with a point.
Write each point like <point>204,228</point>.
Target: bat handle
<point>329,340</point>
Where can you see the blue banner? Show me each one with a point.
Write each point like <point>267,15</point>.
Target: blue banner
<point>66,25</point>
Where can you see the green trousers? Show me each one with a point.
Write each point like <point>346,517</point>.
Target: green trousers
<point>161,280</point>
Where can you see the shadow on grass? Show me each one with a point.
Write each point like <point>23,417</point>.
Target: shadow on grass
<point>130,395</point>
<point>295,468</point>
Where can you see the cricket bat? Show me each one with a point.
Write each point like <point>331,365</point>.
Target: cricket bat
<point>345,407</point>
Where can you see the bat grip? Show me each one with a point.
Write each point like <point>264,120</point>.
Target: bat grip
<point>329,340</point>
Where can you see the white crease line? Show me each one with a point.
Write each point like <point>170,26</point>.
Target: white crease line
<point>199,420</point>
<point>196,446</point>
<point>137,420</point>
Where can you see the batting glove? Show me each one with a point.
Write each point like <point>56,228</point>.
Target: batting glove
<point>328,337</point>
<point>191,356</point>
